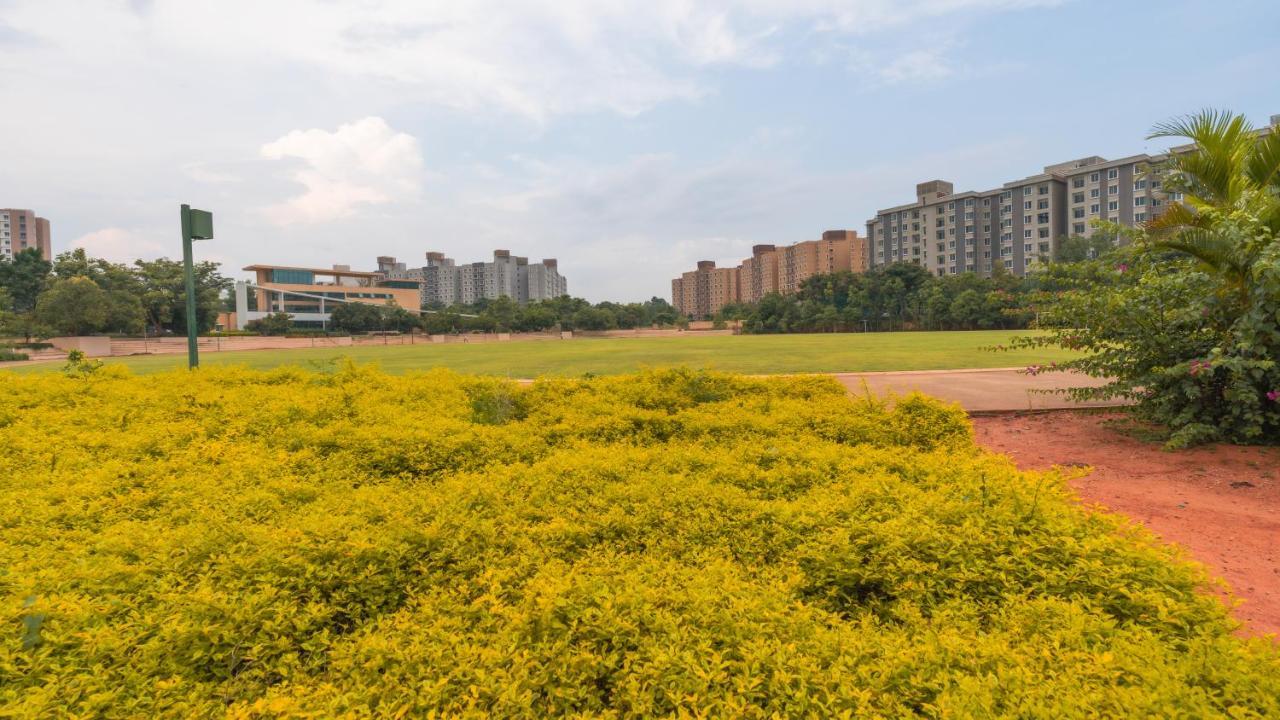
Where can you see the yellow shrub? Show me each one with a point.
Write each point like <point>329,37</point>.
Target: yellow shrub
<point>291,543</point>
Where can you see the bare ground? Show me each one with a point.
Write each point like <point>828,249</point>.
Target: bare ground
<point>1221,503</point>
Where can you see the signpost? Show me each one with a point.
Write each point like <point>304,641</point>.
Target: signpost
<point>196,225</point>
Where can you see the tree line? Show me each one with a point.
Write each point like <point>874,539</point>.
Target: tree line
<point>489,315</point>
<point>80,295</point>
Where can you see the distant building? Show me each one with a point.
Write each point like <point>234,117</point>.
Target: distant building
<point>770,269</point>
<point>1021,223</point>
<point>310,294</point>
<point>22,229</point>
<point>444,282</point>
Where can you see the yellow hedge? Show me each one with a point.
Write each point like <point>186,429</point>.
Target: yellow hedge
<point>307,544</point>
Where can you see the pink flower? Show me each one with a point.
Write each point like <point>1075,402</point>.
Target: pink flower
<point>1274,395</point>
<point>1122,267</point>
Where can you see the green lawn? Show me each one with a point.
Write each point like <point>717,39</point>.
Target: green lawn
<point>760,354</point>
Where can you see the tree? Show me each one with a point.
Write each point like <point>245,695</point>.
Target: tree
<point>277,323</point>
<point>23,278</point>
<point>121,284</point>
<point>74,306</point>
<point>356,317</point>
<point>1186,324</point>
<point>164,294</point>
<point>590,318</point>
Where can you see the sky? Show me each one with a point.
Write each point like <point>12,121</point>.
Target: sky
<point>627,139</point>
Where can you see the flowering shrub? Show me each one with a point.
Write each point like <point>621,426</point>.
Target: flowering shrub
<point>298,544</point>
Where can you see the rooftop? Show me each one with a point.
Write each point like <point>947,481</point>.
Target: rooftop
<point>317,271</point>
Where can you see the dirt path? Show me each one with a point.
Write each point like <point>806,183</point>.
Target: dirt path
<point>1221,503</point>
<point>985,390</point>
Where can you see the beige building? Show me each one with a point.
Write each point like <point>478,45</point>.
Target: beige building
<point>21,229</point>
<point>770,269</point>
<point>310,294</point>
<point>702,292</point>
<point>1019,224</point>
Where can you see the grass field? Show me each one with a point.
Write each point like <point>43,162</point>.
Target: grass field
<point>753,354</point>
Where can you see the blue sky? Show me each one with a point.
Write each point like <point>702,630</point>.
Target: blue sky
<point>627,139</point>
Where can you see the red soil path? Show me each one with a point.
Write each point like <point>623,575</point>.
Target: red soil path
<point>1221,503</point>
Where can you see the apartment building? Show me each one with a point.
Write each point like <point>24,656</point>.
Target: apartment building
<point>770,269</point>
<point>22,229</point>
<point>444,282</point>
<point>1020,224</point>
<point>702,292</point>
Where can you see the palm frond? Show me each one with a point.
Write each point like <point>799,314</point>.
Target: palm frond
<point>1264,163</point>
<point>1217,253</point>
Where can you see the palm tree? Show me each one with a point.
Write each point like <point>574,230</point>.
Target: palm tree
<point>1233,170</point>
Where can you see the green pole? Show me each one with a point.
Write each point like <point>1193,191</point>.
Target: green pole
<point>193,352</point>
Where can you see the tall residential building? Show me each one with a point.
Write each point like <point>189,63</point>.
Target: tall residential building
<point>702,292</point>
<point>770,269</point>
<point>21,229</point>
<point>446,283</point>
<point>1020,223</point>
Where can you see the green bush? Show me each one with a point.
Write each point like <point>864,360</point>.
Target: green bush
<point>1185,321</point>
<point>7,355</point>
<point>242,544</point>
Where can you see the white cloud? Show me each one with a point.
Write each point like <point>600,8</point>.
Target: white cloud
<point>361,163</point>
<point>119,245</point>
<point>916,66</point>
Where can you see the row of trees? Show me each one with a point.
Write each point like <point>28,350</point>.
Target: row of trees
<point>499,315</point>
<point>78,295</point>
<point>902,296</point>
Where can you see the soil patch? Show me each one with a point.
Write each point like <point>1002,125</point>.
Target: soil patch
<point>1221,503</point>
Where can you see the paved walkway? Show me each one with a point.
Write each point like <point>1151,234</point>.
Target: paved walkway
<point>996,390</point>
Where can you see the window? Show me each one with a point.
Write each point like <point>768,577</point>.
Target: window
<point>1044,247</point>
<point>1078,228</point>
<point>951,257</point>
<point>1140,217</point>
<point>1139,201</point>
<point>1113,173</point>
<point>1094,193</point>
<point>1042,205</point>
<point>941,235</point>
<point>986,229</point>
<point>1006,195</point>
<point>1093,209</point>
<point>1026,248</point>
<point>968,215</point>
<point>951,219</point>
<point>952,244</point>
<point>1113,205</point>
<point>986,255</point>
<point>1006,209</point>
<point>1026,191</point>
<point>939,222</point>
<point>1042,218</point>
<point>1077,198</point>
<point>951,205</point>
<point>1077,182</point>
<point>1042,233</point>
<point>1139,184</point>
<point>968,202</point>
<point>1026,205</point>
<point>1113,190</point>
<point>986,202</point>
<point>1026,233</point>
<point>1008,264</point>
<point>1093,177</point>
<point>1044,189</point>
<point>951,232</point>
<point>1077,213</point>
<point>942,248</point>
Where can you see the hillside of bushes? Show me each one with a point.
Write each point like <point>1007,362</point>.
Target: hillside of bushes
<point>348,543</point>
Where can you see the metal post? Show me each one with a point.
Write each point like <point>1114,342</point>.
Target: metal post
<point>193,352</point>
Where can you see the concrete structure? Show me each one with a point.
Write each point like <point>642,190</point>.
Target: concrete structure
<point>1020,223</point>
<point>443,282</point>
<point>702,292</point>
<point>309,294</point>
<point>770,269</point>
<point>22,229</point>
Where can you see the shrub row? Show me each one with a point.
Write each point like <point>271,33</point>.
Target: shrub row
<point>297,544</point>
